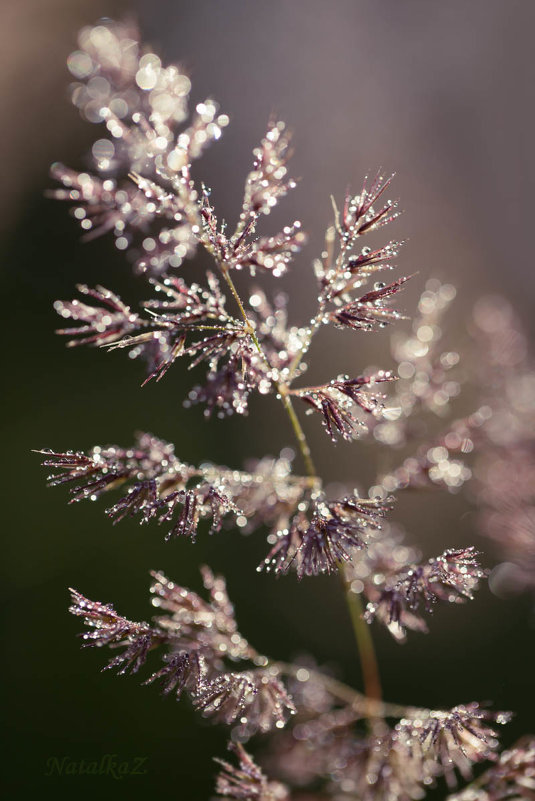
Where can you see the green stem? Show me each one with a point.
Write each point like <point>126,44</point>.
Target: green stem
<point>298,431</point>
<point>347,694</point>
<point>250,329</point>
<point>282,389</point>
<point>366,649</point>
<point>368,659</point>
<point>316,322</point>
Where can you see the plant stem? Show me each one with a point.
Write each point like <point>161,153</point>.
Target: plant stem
<point>298,431</point>
<point>366,649</point>
<point>315,324</point>
<point>282,388</point>
<point>347,694</point>
<point>368,659</point>
<point>250,329</point>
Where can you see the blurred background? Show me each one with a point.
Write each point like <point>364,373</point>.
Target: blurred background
<point>441,93</point>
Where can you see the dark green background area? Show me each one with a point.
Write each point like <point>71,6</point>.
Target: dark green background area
<point>440,92</point>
